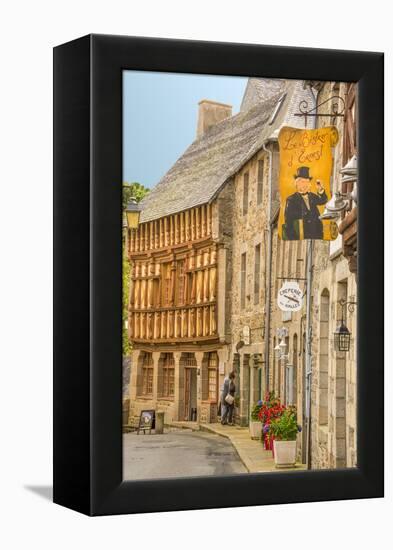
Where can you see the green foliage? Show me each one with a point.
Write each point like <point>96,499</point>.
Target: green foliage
<point>125,286</point>
<point>285,427</point>
<point>133,190</point>
<point>255,412</point>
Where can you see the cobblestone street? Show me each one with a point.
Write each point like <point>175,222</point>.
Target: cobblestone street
<point>178,453</point>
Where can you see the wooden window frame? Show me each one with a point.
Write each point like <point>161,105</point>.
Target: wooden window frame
<point>166,284</point>
<point>180,282</point>
<point>168,376</point>
<point>147,376</point>
<point>212,369</point>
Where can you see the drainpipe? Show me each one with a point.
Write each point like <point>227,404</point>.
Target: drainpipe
<point>309,324</point>
<point>269,268</point>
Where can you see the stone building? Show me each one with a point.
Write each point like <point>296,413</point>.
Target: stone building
<point>182,266</point>
<point>207,263</point>
<point>333,390</point>
<point>256,202</point>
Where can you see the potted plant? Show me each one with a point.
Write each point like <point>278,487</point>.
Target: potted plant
<point>284,430</point>
<point>270,410</point>
<point>255,422</point>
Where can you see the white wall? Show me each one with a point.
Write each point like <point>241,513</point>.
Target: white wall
<point>28,32</point>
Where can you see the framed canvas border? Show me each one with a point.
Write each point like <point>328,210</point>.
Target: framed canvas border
<point>87,274</point>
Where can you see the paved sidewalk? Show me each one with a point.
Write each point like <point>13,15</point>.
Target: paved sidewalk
<point>250,451</point>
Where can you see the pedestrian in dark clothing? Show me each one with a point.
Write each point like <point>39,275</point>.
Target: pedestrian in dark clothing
<point>228,400</point>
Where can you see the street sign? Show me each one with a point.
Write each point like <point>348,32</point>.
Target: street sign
<point>146,421</point>
<point>290,297</point>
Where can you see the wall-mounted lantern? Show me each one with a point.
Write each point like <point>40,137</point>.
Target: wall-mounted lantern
<point>133,212</point>
<point>342,336</point>
<point>340,201</point>
<point>281,348</point>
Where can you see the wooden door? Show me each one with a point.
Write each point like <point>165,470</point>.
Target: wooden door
<point>187,394</point>
<point>190,392</point>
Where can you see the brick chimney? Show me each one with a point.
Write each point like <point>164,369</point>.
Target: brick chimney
<point>211,112</point>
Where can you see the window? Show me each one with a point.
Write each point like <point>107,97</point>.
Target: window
<point>245,194</point>
<point>243,282</point>
<point>212,368</point>
<point>180,283</point>
<point>166,284</point>
<point>349,134</point>
<point>277,109</point>
<point>147,374</point>
<point>257,273</point>
<point>260,181</point>
<point>168,375</point>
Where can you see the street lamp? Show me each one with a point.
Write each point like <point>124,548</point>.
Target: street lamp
<point>342,336</point>
<point>133,212</point>
<point>283,346</point>
<point>337,204</point>
<point>340,201</point>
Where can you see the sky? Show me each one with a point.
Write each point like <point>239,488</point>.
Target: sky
<point>160,117</point>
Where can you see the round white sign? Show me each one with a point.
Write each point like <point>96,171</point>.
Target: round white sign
<point>290,297</point>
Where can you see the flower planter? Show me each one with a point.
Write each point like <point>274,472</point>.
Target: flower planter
<point>284,453</point>
<point>255,428</point>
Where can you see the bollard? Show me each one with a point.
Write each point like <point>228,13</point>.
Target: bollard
<point>159,429</point>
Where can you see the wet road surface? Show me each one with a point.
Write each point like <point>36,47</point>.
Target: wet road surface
<point>180,453</point>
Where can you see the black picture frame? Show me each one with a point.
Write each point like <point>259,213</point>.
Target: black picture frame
<point>87,274</point>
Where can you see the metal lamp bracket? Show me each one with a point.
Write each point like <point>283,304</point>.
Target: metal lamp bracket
<point>338,108</point>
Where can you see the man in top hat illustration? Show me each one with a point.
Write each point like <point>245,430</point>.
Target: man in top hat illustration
<point>301,209</point>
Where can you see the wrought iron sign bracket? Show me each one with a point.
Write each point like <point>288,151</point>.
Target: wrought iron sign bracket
<point>349,305</point>
<point>338,106</point>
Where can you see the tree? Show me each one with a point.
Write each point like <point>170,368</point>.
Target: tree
<point>135,191</point>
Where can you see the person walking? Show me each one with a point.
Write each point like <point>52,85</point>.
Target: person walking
<point>228,400</point>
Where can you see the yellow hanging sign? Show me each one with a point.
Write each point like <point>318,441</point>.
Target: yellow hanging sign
<point>305,170</point>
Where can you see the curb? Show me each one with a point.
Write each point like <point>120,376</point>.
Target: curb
<point>181,426</point>
<point>243,459</point>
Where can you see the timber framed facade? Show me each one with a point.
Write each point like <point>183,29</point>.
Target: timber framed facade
<point>173,316</point>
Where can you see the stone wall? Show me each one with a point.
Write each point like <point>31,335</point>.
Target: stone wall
<point>333,389</point>
<point>249,224</point>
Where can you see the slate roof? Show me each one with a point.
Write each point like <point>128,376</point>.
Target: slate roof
<point>208,163</point>
<point>259,90</point>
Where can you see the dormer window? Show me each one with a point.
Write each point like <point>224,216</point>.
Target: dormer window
<point>277,109</point>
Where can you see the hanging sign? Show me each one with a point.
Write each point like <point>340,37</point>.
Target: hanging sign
<point>290,297</point>
<point>306,163</point>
